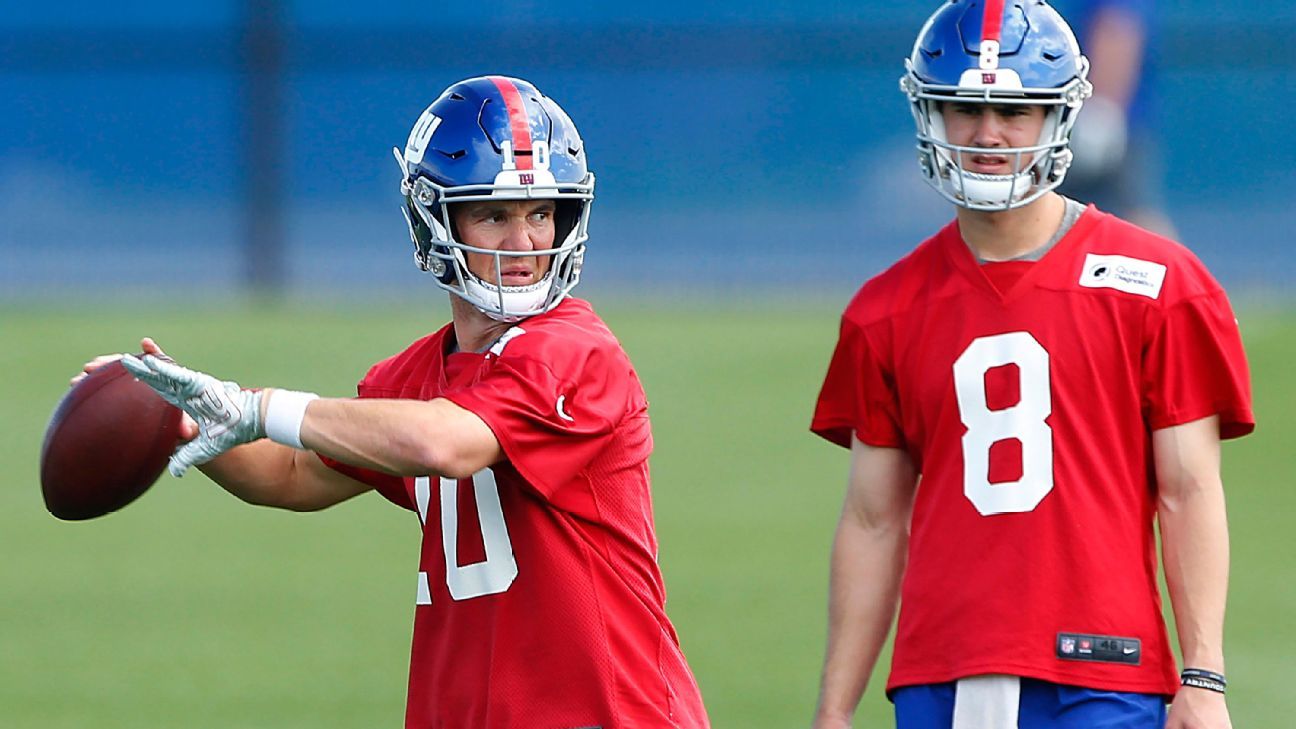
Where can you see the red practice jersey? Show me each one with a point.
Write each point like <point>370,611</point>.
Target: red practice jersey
<point>540,602</point>
<point>1029,413</point>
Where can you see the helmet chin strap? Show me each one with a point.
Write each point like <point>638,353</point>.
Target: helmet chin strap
<point>996,191</point>
<point>515,302</point>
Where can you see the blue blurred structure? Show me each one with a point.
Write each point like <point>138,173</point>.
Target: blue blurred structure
<point>734,144</point>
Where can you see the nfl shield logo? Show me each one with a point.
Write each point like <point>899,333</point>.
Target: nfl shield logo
<point>1068,645</point>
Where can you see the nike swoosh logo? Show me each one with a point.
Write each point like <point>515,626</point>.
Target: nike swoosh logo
<point>1130,650</point>
<point>561,413</point>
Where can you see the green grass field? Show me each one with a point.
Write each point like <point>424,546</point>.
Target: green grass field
<point>191,609</point>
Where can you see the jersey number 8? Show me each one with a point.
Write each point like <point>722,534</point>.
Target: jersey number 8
<point>1024,421</point>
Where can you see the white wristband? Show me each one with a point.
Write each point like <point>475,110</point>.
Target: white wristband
<point>284,415</point>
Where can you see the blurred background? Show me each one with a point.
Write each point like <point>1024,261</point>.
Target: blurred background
<point>219,175</point>
<point>246,143</point>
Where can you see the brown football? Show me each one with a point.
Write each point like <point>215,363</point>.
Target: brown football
<point>108,441</point>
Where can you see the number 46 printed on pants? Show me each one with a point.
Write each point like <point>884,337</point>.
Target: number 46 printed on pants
<point>490,576</point>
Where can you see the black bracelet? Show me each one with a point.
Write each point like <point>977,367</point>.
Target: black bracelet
<point>1203,679</point>
<point>1203,673</point>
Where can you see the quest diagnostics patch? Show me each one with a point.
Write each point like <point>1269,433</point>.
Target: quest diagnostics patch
<point>1131,275</point>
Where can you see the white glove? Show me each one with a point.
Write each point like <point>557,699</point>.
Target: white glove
<point>227,415</point>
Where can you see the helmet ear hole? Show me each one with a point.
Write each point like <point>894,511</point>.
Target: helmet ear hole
<point>446,273</point>
<point>429,247</point>
<point>418,229</point>
<point>420,233</point>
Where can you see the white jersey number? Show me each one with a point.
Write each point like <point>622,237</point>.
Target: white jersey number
<point>1023,421</point>
<point>492,575</point>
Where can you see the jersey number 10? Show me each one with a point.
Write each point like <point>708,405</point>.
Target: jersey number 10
<point>1024,421</point>
<point>492,575</point>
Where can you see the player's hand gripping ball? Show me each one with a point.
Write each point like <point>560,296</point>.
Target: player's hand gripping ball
<point>227,415</point>
<point>107,442</point>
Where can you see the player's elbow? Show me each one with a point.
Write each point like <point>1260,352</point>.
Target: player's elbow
<point>457,470</point>
<point>454,444</point>
<point>450,458</point>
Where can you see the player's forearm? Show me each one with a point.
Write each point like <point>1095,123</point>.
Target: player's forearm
<point>1194,537</point>
<point>867,565</point>
<point>400,437</point>
<point>1195,549</point>
<point>259,473</point>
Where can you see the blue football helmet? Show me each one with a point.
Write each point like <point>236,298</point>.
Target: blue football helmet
<point>996,52</point>
<point>496,138</point>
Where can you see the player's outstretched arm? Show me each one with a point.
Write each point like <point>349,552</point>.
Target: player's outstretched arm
<point>400,437</point>
<point>260,472</point>
<point>868,559</point>
<point>1195,550</point>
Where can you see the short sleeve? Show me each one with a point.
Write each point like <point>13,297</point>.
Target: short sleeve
<point>857,395</point>
<point>550,427</point>
<point>1195,367</point>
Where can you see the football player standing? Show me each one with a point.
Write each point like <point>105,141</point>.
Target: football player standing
<point>1025,396</point>
<point>517,434</point>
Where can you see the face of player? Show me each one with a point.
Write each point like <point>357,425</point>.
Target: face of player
<point>506,225</point>
<point>990,127</point>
